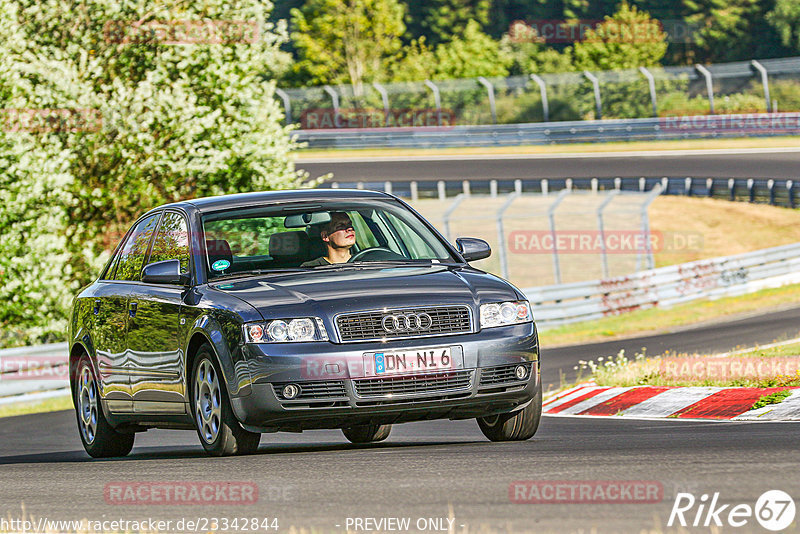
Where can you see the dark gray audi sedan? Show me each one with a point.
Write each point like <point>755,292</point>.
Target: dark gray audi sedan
<point>286,311</point>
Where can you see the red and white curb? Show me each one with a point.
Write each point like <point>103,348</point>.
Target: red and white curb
<point>673,402</point>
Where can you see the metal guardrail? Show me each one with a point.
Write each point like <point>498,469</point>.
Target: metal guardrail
<point>666,286</point>
<point>25,370</point>
<point>647,129</point>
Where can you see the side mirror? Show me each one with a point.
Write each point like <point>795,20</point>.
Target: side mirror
<point>165,272</point>
<point>473,248</point>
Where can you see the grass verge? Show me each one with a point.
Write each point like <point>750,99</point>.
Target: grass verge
<point>772,398</point>
<point>52,404</point>
<point>657,320</point>
<point>688,144</point>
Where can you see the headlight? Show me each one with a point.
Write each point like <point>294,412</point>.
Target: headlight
<point>505,313</point>
<point>286,330</point>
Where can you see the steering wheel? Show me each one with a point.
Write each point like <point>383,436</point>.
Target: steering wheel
<point>379,253</point>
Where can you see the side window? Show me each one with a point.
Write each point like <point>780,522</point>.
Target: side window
<point>131,257</point>
<point>172,241</point>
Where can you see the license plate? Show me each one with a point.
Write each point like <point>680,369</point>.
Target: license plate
<point>412,361</point>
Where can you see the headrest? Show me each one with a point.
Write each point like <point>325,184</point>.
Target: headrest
<point>283,244</point>
<point>218,249</point>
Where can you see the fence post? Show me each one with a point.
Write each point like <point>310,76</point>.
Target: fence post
<point>618,183</point>
<point>687,187</point>
<point>501,236</point>
<point>385,99</point>
<point>551,216</point>
<point>790,191</point>
<point>543,92</point>
<point>414,191</point>
<point>518,186</point>
<point>751,189</point>
<point>490,91</point>
<point>448,212</point>
<point>651,82</point>
<point>642,183</point>
<point>764,82</point>
<point>465,186</point>
<point>732,188</point>
<point>654,193</point>
<point>601,228</point>
<point>493,188</point>
<point>335,100</point>
<point>771,188</point>
<point>437,100</point>
<point>594,185</point>
<point>287,104</point>
<point>441,188</point>
<point>596,84</point>
<point>709,85</point>
<point>568,183</point>
<point>710,187</point>
<point>665,184</point>
<point>545,186</point>
<point>387,187</point>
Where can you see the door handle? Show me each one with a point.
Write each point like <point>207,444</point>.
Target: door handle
<point>132,308</point>
<point>96,308</point>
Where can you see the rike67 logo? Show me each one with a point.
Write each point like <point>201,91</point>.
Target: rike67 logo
<point>774,510</point>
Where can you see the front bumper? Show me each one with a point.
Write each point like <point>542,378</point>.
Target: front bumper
<point>337,394</point>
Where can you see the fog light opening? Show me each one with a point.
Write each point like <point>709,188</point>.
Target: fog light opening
<point>521,371</point>
<point>290,391</point>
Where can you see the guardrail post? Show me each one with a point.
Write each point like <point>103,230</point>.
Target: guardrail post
<point>414,191</point>
<point>642,183</point>
<point>764,82</point>
<point>687,187</point>
<point>437,100</point>
<point>501,236</point>
<point>335,100</point>
<point>493,188</point>
<point>710,187</point>
<point>732,188</point>
<point>490,91</point>
<point>545,186</point>
<point>568,183</point>
<point>771,188</point>
<point>618,183</point>
<point>709,85</point>
<point>645,217</point>
<point>465,187</point>
<point>287,104</point>
<point>385,99</point>
<point>665,184</point>
<point>601,228</point>
<point>518,186</point>
<point>359,185</point>
<point>543,92</point>
<point>448,212</point>
<point>790,191</point>
<point>387,187</point>
<point>551,216</point>
<point>651,83</point>
<point>593,183</point>
<point>334,185</point>
<point>441,188</point>
<point>751,189</point>
<point>596,85</point>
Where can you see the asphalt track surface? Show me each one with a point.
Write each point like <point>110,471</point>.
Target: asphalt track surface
<point>434,469</point>
<point>756,163</point>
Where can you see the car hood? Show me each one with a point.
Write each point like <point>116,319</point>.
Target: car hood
<point>325,294</point>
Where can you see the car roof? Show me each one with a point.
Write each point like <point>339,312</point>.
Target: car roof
<point>239,200</point>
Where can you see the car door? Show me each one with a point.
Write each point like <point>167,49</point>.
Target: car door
<point>156,357</point>
<point>111,318</point>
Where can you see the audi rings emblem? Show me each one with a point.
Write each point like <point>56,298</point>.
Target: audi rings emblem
<point>406,322</point>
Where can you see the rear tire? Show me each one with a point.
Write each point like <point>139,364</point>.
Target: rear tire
<point>367,433</point>
<point>514,426</point>
<point>98,437</point>
<point>217,426</point>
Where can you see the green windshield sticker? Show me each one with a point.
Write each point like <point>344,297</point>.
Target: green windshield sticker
<point>220,265</point>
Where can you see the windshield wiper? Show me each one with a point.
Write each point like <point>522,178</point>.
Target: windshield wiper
<point>259,272</point>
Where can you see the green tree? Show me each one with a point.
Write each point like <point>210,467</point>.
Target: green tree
<point>785,18</point>
<point>529,55</point>
<point>177,107</point>
<point>440,21</point>
<point>629,39</point>
<point>724,28</point>
<point>346,41</point>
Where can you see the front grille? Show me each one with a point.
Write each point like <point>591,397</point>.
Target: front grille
<point>368,325</point>
<point>501,374</point>
<point>409,385</point>
<point>313,390</point>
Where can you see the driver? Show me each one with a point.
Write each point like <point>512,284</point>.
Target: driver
<point>338,236</point>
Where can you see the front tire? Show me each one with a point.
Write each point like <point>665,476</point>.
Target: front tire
<point>367,433</point>
<point>219,431</point>
<point>98,437</point>
<point>514,426</point>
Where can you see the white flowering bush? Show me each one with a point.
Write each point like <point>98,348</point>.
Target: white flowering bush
<point>619,370</point>
<point>162,115</point>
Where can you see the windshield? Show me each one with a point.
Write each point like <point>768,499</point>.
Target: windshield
<point>317,235</point>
